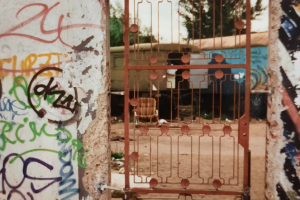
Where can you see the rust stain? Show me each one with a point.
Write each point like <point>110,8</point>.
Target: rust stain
<point>82,46</point>
<point>96,53</point>
<point>274,124</point>
<point>269,105</point>
<point>272,135</point>
<point>292,110</point>
<point>298,7</point>
<point>82,16</point>
<point>68,15</point>
<point>103,15</point>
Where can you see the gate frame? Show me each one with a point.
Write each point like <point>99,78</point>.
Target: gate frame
<point>243,125</point>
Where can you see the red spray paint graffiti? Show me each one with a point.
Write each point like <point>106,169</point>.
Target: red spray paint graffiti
<point>44,13</point>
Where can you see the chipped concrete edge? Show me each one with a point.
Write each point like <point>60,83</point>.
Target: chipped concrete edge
<point>97,136</point>
<point>274,140</point>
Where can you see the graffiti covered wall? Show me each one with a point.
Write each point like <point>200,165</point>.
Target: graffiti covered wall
<point>52,72</point>
<point>259,64</point>
<point>283,144</point>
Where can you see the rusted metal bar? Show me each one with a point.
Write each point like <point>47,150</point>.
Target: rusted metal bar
<point>247,93</point>
<point>126,90</point>
<point>170,191</point>
<point>212,66</point>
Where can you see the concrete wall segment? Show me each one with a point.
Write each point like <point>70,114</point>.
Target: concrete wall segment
<point>55,80</point>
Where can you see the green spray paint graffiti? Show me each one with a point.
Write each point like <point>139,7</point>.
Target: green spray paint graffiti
<point>61,135</point>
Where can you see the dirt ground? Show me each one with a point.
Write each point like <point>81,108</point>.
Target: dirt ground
<point>160,166</point>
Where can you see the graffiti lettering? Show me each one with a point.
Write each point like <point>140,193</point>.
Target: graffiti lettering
<point>20,82</point>
<point>47,90</point>
<point>66,176</point>
<point>27,65</point>
<point>25,164</point>
<point>7,129</point>
<point>0,89</point>
<point>44,13</point>
<point>7,60</point>
<point>10,106</point>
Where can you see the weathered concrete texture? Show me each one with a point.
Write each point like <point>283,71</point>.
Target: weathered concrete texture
<point>283,144</point>
<point>96,138</point>
<point>275,140</point>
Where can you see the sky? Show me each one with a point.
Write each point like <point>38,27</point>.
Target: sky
<point>165,10</point>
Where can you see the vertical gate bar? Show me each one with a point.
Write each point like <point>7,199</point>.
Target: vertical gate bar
<point>214,25</point>
<point>234,16</point>
<point>234,97</point>
<point>220,106</point>
<point>171,24</point>
<point>126,89</point>
<point>247,91</point>
<point>138,23</point>
<point>199,102</point>
<point>192,101</point>
<point>179,26</point>
<point>200,26</point>
<point>158,95</point>
<point>221,25</point>
<point>213,99</point>
<point>138,97</point>
<point>171,101</point>
<point>178,156</point>
<point>249,169</point>
<point>239,99</point>
<point>151,25</point>
<point>193,24</point>
<point>178,94</point>
<point>150,96</point>
<point>150,159</point>
<point>233,159</point>
<point>158,25</point>
<point>134,35</point>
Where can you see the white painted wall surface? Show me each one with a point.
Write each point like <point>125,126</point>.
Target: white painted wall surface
<point>46,35</point>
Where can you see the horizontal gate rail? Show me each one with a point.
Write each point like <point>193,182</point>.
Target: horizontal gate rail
<point>210,66</point>
<point>166,191</point>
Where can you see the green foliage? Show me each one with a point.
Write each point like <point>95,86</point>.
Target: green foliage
<point>232,10</point>
<point>117,155</point>
<point>116,28</point>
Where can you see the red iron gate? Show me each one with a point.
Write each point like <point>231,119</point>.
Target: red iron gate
<point>201,144</point>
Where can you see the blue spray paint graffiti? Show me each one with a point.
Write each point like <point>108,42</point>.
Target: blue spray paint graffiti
<point>259,63</point>
<point>67,183</point>
<point>11,106</point>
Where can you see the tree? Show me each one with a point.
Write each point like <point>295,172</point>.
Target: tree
<point>232,10</point>
<point>116,28</point>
